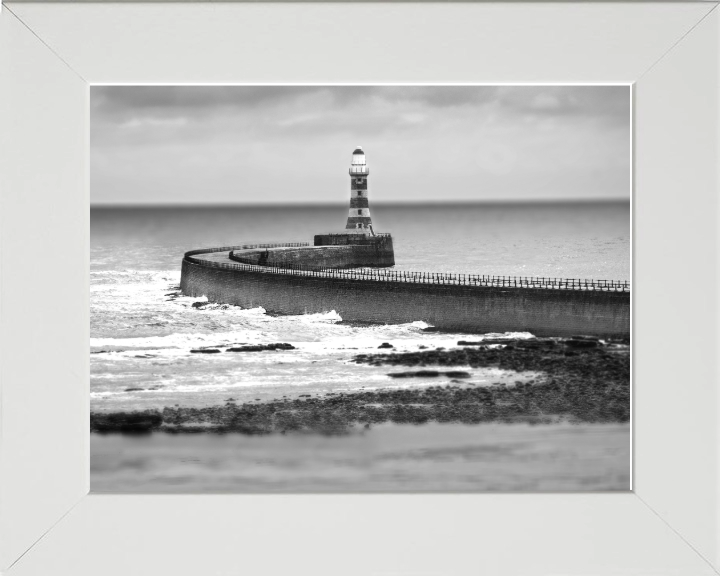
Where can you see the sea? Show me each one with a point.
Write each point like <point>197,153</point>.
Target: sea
<point>143,330</point>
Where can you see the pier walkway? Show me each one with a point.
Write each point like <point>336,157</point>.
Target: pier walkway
<point>227,257</point>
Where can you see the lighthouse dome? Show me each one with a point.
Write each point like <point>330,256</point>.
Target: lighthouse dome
<point>358,150</point>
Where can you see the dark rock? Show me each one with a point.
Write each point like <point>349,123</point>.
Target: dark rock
<point>534,344</point>
<point>126,422</point>
<point>386,345</point>
<point>133,389</point>
<point>249,348</point>
<point>262,347</point>
<point>457,374</point>
<point>282,346</point>
<point>427,373</point>
<point>199,304</point>
<point>418,374</point>
<point>205,351</point>
<point>581,343</point>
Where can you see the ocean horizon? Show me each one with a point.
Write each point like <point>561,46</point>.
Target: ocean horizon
<point>589,240</point>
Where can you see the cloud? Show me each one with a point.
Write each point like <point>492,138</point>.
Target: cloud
<point>120,101</point>
<point>165,143</point>
<point>123,101</point>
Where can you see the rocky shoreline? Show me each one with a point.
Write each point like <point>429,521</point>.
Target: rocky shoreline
<point>583,380</point>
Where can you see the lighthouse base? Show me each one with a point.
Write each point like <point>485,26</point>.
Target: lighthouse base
<point>361,249</point>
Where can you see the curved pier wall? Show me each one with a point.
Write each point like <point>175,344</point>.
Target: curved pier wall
<point>315,257</point>
<point>478,309</point>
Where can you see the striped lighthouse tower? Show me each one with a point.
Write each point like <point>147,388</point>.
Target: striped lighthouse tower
<point>359,213</point>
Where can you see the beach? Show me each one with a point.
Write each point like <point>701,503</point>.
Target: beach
<point>389,458</point>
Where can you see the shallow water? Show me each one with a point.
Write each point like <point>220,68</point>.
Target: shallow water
<point>387,458</point>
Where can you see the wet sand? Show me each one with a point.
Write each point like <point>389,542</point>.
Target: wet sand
<point>387,458</point>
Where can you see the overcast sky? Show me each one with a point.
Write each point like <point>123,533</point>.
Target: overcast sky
<point>280,144</point>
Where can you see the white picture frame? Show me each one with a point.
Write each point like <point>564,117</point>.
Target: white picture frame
<point>50,53</point>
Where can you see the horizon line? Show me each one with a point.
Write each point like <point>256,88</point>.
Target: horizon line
<point>547,201</point>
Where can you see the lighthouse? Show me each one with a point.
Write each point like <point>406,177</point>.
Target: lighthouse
<point>359,212</point>
<point>358,245</point>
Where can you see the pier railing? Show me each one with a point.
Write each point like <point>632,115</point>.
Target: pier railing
<point>389,275</point>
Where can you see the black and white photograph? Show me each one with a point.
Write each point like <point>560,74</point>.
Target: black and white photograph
<point>358,288</point>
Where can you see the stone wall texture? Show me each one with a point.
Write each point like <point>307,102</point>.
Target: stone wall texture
<point>475,309</point>
<point>315,257</point>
